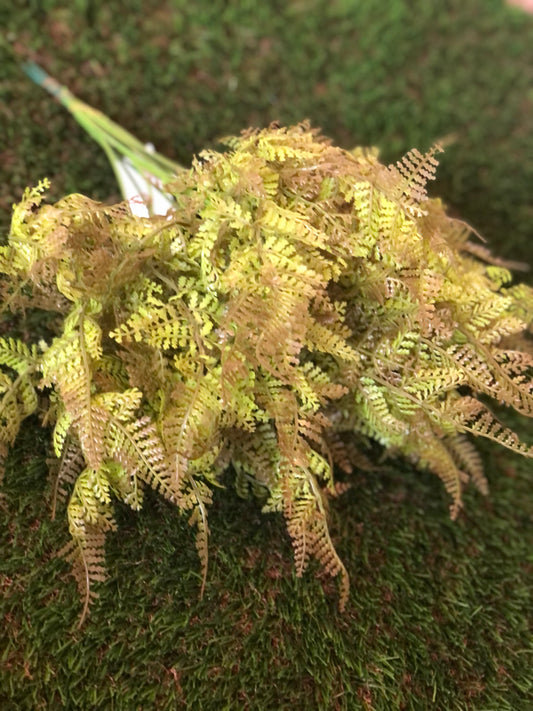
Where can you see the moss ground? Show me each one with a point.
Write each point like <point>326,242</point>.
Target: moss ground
<point>440,612</point>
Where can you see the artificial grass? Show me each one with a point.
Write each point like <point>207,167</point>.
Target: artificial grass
<point>437,615</point>
<point>440,612</point>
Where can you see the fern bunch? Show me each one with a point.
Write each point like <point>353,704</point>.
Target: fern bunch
<point>299,298</point>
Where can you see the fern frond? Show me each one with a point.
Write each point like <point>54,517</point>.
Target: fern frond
<point>11,412</point>
<point>411,175</point>
<point>469,459</point>
<point>256,462</point>
<point>137,448</point>
<point>86,556</point>
<point>307,527</point>
<point>485,374</point>
<point>470,415</point>
<point>18,355</point>
<point>125,487</point>
<point>61,428</point>
<point>121,405</point>
<point>198,518</point>
<point>433,454</point>
<point>90,518</point>
<point>65,471</point>
<point>67,366</point>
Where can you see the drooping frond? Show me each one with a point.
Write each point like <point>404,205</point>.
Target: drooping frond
<point>307,525</point>
<point>433,454</point>
<point>65,469</point>
<point>86,557</point>
<point>90,517</point>
<point>470,415</point>
<point>468,459</point>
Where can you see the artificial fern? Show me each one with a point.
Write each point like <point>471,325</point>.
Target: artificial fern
<point>298,299</point>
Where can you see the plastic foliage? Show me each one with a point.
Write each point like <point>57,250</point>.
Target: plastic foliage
<point>298,301</point>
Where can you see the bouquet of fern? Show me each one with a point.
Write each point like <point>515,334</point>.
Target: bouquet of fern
<point>295,301</point>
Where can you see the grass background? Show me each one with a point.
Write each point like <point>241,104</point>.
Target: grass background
<point>439,613</point>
